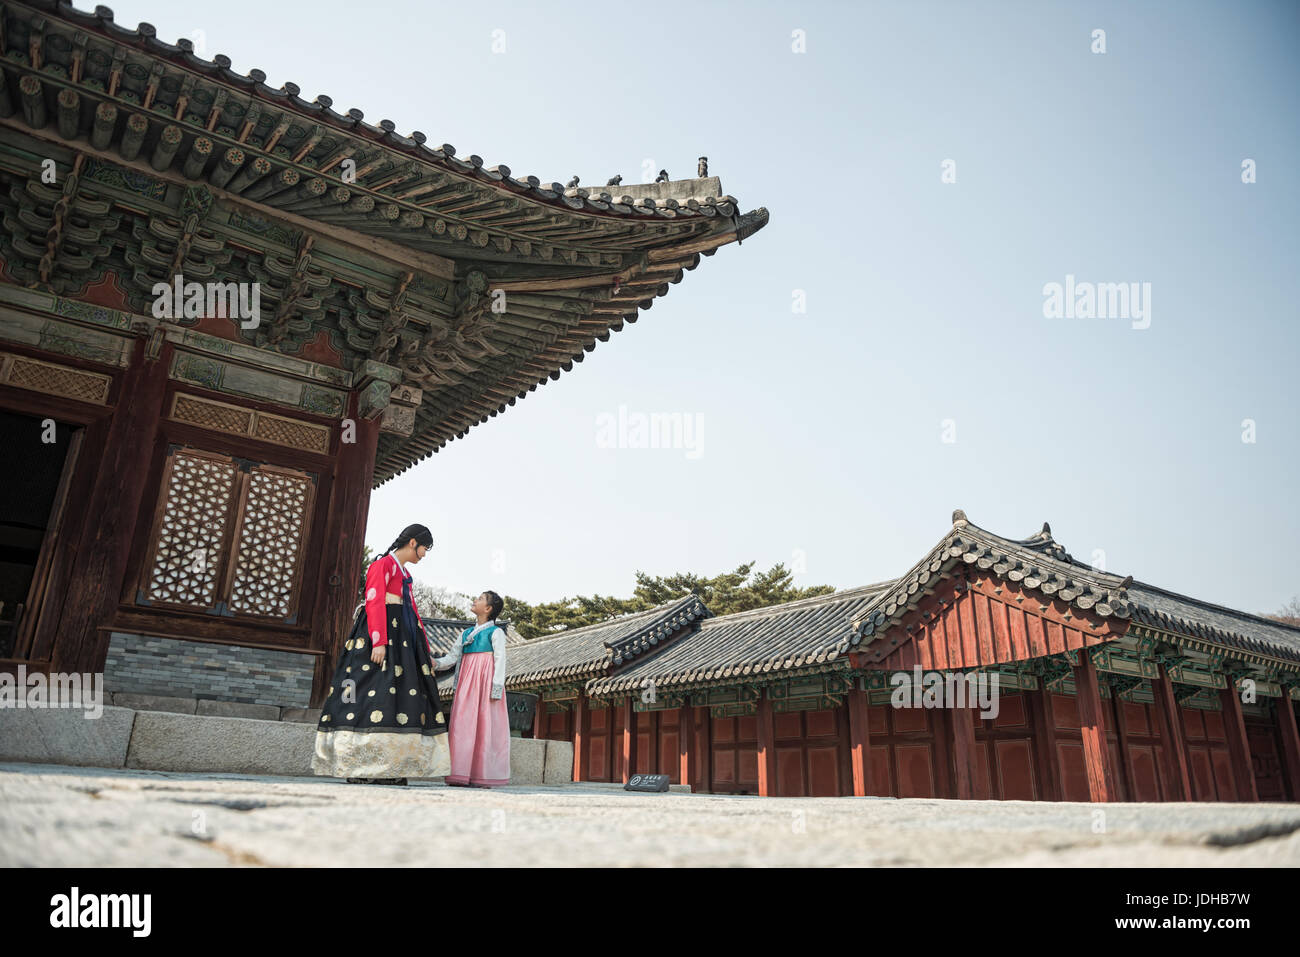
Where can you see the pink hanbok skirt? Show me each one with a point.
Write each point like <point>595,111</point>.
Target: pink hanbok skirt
<point>479,737</point>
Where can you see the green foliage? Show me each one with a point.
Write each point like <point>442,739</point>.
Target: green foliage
<point>723,594</point>
<point>367,556</point>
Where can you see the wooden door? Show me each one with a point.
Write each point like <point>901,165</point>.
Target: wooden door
<point>1266,755</point>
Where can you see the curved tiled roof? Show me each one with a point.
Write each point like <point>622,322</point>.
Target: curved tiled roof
<point>1178,614</point>
<point>1041,563</point>
<point>477,286</point>
<point>609,200</point>
<point>587,651</point>
<point>797,634</point>
<point>820,630</point>
<point>1038,562</point>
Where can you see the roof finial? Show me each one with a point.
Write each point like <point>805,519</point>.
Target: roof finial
<point>1047,531</point>
<point>662,177</point>
<point>615,180</point>
<point>572,183</point>
<point>703,169</point>
<point>958,517</point>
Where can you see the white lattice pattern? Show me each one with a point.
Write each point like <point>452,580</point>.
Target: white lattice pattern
<point>270,540</point>
<point>193,524</point>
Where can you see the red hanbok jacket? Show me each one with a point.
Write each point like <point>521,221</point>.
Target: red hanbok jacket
<point>384,577</point>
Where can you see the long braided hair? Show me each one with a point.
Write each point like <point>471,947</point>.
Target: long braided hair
<point>421,535</point>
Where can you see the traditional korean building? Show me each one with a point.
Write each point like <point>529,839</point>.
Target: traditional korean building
<point>1108,689</point>
<point>227,312</point>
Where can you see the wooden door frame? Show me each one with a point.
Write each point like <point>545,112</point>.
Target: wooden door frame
<point>38,591</point>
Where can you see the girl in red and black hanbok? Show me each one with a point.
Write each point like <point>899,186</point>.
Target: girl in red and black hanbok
<point>382,721</point>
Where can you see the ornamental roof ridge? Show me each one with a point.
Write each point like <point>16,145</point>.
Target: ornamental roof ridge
<point>617,619</point>
<point>1072,581</point>
<point>1041,563</point>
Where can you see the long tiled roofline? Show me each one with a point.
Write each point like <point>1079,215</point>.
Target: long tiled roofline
<point>768,610</point>
<point>585,652</point>
<point>606,201</point>
<point>570,632</point>
<point>726,647</point>
<point>1249,615</point>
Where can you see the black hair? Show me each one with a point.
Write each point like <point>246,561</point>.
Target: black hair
<point>421,535</point>
<point>495,604</point>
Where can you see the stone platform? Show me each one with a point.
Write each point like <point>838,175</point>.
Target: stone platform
<point>209,742</point>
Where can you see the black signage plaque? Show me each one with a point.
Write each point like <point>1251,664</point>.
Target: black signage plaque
<point>520,709</point>
<point>647,782</point>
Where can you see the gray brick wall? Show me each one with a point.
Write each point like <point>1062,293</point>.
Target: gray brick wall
<point>142,664</point>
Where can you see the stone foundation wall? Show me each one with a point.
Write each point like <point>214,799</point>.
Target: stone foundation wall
<point>170,667</point>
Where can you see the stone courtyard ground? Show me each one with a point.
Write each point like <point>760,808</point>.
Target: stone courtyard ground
<point>53,816</point>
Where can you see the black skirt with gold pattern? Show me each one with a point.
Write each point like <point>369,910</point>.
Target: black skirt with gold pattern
<point>383,721</point>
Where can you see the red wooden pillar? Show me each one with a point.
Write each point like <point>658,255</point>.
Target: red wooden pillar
<point>704,748</point>
<point>1096,753</point>
<point>766,746</point>
<point>1178,774</point>
<point>581,724</point>
<point>1290,743</point>
<point>1238,743</point>
<point>938,722</point>
<point>345,534</point>
<point>539,717</point>
<point>629,739</point>
<point>655,765</point>
<point>962,728</point>
<point>687,753</point>
<point>115,501</point>
<point>859,743</point>
<point>1124,773</point>
<point>1043,720</point>
<point>611,746</point>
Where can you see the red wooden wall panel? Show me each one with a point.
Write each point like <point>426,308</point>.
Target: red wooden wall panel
<point>1142,759</point>
<point>915,770</point>
<point>1074,777</point>
<point>789,771</point>
<point>1266,756</point>
<point>1015,778</point>
<point>1198,757</point>
<point>824,772</point>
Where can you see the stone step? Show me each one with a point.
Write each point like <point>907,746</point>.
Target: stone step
<point>176,741</point>
<point>207,706</point>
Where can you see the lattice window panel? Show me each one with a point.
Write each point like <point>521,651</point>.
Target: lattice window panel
<point>269,550</point>
<point>191,530</point>
<point>299,435</point>
<point>54,379</point>
<point>237,420</point>
<point>212,415</point>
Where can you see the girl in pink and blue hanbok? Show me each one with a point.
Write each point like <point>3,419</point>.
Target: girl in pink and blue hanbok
<point>479,736</point>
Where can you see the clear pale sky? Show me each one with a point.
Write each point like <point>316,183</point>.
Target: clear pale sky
<point>822,433</point>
